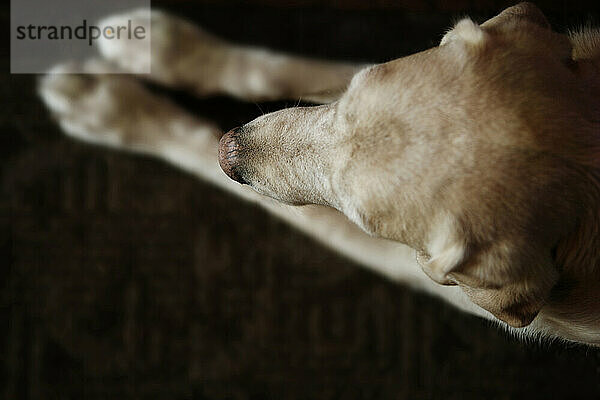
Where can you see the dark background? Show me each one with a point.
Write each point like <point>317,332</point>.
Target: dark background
<point>124,278</point>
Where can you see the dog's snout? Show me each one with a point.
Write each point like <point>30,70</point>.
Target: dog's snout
<point>229,156</point>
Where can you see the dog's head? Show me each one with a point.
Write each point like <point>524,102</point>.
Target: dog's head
<point>465,152</point>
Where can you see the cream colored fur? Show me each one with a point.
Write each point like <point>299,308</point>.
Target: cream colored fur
<point>472,169</point>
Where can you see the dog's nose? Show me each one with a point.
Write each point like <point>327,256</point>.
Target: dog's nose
<point>229,156</point>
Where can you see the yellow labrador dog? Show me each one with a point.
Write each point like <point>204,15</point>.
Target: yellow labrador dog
<point>470,170</point>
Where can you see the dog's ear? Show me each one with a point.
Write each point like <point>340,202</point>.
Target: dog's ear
<point>510,278</point>
<point>528,28</point>
<point>475,34</point>
<point>511,283</point>
<point>521,12</point>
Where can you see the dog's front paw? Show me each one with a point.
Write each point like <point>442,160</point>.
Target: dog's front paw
<point>109,109</point>
<point>87,106</point>
<point>182,55</point>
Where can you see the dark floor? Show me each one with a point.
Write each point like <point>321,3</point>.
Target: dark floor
<point>124,278</point>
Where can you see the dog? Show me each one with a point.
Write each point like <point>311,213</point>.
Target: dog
<point>470,170</point>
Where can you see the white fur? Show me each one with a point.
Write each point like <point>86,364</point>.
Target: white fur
<point>445,249</point>
<point>467,31</point>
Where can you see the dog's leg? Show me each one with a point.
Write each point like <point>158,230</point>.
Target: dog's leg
<point>119,112</point>
<point>184,56</point>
